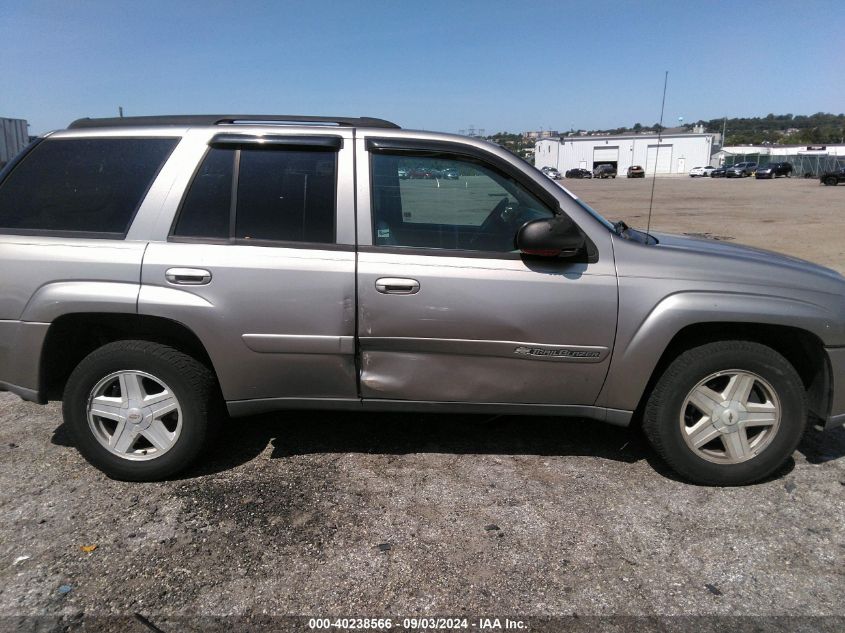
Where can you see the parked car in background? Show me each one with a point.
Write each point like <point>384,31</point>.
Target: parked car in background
<point>719,172</point>
<point>833,177</point>
<point>604,171</point>
<point>578,172</point>
<point>552,173</point>
<point>636,171</point>
<point>699,172</point>
<point>784,169</point>
<point>773,170</point>
<point>402,173</point>
<point>421,173</point>
<point>450,174</point>
<point>741,170</point>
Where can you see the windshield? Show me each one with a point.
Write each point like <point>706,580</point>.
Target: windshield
<point>619,228</point>
<point>598,216</point>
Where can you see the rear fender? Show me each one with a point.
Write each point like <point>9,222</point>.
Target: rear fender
<point>66,297</point>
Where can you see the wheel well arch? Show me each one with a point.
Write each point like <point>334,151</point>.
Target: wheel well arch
<point>803,349</point>
<point>71,337</point>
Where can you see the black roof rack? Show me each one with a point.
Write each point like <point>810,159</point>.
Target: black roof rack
<point>217,119</point>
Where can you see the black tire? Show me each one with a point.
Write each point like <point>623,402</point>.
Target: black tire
<point>831,180</point>
<point>661,416</point>
<point>193,384</point>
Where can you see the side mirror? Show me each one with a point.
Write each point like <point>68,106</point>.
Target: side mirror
<point>554,237</point>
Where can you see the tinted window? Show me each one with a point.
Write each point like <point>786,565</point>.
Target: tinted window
<point>86,185</point>
<point>207,205</point>
<point>281,195</point>
<point>480,210</point>
<point>286,195</point>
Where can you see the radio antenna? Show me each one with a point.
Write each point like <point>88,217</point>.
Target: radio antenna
<point>657,153</point>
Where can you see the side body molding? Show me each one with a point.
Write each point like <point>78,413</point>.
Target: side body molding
<point>639,347</point>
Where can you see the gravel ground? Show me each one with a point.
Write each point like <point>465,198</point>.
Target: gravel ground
<point>795,216</point>
<point>330,514</point>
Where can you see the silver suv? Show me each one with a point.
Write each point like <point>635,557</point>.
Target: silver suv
<point>741,170</point>
<point>159,273</point>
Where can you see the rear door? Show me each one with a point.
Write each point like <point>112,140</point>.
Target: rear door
<point>448,311</point>
<point>259,262</point>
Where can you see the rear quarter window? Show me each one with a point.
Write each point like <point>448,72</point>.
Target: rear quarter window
<point>81,186</point>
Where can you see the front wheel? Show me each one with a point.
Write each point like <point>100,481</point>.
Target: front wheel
<point>831,180</point>
<point>141,411</point>
<point>726,413</point>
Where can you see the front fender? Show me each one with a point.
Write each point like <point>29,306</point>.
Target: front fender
<point>638,350</point>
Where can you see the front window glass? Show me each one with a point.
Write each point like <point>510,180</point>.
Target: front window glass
<point>443,202</point>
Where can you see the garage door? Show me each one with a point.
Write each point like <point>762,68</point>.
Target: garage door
<point>662,159</point>
<point>605,155</point>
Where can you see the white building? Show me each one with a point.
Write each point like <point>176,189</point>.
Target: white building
<point>541,134</point>
<point>672,154</point>
<point>14,136</point>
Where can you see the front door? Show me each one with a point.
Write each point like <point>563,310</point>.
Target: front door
<point>448,310</point>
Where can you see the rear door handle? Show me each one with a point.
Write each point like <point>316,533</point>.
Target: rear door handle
<point>397,286</point>
<point>188,276</point>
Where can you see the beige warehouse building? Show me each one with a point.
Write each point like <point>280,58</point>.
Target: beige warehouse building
<point>671,154</point>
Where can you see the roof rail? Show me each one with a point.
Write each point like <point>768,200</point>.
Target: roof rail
<point>217,119</point>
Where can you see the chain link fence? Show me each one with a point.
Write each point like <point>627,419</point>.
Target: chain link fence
<point>803,165</point>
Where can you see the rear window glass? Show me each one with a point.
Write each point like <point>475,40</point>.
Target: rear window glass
<point>280,195</point>
<point>286,195</point>
<point>207,205</point>
<point>81,185</point>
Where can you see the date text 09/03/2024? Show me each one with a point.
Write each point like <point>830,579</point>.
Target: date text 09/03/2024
<point>417,623</point>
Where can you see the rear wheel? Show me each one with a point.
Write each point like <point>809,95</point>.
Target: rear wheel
<point>831,180</point>
<point>726,413</point>
<point>141,411</point>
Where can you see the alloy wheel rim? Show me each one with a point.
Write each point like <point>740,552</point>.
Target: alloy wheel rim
<point>134,415</point>
<point>730,416</point>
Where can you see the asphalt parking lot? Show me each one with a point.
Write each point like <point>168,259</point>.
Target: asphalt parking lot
<point>336,514</point>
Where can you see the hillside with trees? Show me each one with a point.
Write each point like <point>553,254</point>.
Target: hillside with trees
<point>782,129</point>
<point>775,129</point>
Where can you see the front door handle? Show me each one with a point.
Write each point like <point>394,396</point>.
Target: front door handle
<point>188,276</point>
<point>397,286</point>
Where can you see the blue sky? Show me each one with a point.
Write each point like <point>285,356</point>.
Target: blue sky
<point>424,64</point>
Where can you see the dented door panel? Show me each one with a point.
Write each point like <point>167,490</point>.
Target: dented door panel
<point>484,330</point>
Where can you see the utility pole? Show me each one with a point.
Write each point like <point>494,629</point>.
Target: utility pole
<point>120,111</point>
<point>724,130</point>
